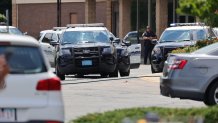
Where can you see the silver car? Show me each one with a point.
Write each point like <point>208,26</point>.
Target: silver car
<point>192,76</point>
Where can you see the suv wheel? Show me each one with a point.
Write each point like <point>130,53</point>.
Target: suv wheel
<point>122,74</point>
<point>104,75</point>
<point>212,96</point>
<point>61,76</point>
<point>114,74</point>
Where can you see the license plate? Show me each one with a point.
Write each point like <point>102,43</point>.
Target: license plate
<point>7,115</point>
<point>86,62</point>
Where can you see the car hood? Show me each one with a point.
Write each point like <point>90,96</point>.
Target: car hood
<point>176,44</point>
<point>84,45</point>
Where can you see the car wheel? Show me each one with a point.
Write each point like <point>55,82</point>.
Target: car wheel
<point>61,76</point>
<point>122,74</point>
<point>212,96</point>
<point>114,74</point>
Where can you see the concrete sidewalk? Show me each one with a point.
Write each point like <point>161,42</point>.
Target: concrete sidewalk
<point>152,77</point>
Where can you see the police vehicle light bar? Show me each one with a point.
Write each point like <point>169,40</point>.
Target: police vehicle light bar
<point>187,24</point>
<point>86,25</point>
<point>58,28</point>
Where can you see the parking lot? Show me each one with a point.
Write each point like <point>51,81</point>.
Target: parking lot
<point>94,94</point>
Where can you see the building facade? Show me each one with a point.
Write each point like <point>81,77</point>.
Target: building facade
<point>32,16</point>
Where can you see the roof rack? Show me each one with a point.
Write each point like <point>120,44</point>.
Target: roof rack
<point>187,24</point>
<point>86,25</point>
<point>59,28</point>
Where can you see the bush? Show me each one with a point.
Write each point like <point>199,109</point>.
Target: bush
<point>197,46</point>
<point>209,115</point>
<point>2,18</point>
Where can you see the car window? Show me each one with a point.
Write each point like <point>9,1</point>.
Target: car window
<point>175,36</point>
<point>54,37</point>
<point>89,36</point>
<point>24,60</point>
<point>132,37</point>
<point>15,31</point>
<point>207,50</point>
<point>47,38</point>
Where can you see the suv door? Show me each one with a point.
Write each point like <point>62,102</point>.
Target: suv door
<point>134,49</point>
<point>47,47</point>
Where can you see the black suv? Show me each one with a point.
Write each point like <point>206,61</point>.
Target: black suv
<point>87,49</point>
<point>179,36</point>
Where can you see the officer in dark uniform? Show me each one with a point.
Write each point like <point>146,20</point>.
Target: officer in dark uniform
<point>148,36</point>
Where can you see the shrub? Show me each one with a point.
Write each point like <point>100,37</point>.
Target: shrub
<point>197,46</point>
<point>192,115</point>
<point>2,18</point>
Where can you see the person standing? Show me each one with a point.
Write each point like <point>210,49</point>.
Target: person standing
<point>148,36</point>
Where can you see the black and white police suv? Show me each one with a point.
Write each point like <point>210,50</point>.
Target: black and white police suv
<point>89,49</point>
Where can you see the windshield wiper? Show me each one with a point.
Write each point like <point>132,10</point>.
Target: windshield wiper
<point>184,40</point>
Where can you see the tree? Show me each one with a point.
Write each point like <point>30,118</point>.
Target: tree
<point>2,18</point>
<point>205,10</point>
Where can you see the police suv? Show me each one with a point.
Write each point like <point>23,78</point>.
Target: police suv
<point>90,49</point>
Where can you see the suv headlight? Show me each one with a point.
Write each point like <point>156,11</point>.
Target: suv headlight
<point>108,50</point>
<point>65,51</point>
<point>156,50</point>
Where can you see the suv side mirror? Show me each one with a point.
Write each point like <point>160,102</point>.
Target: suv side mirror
<point>116,40</point>
<point>111,38</point>
<point>127,43</point>
<point>154,41</point>
<point>53,43</point>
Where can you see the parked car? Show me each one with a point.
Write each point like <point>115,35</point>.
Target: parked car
<point>135,48</point>
<point>48,40</point>
<point>179,36</point>
<point>11,30</point>
<point>87,49</point>
<point>192,76</point>
<point>32,92</point>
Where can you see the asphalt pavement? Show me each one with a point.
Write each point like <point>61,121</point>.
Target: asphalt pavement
<point>94,94</point>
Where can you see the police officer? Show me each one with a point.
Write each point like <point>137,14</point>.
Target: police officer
<point>148,36</point>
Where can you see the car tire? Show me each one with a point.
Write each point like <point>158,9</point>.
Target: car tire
<point>212,95</point>
<point>61,76</point>
<point>122,74</point>
<point>114,74</point>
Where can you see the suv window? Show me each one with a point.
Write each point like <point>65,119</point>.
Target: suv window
<point>47,38</point>
<point>89,36</point>
<point>54,37</point>
<point>24,60</point>
<point>132,37</point>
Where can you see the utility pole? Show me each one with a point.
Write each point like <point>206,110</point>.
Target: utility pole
<point>137,19</point>
<point>58,13</point>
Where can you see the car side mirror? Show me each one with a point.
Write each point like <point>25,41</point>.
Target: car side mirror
<point>111,39</point>
<point>154,41</point>
<point>116,40</point>
<point>53,43</point>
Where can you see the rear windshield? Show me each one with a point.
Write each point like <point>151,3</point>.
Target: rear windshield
<point>207,49</point>
<point>24,60</point>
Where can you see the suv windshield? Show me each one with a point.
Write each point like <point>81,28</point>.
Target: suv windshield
<point>175,35</point>
<point>74,37</point>
<point>24,60</point>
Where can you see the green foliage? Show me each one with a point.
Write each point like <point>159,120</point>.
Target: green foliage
<point>210,115</point>
<point>205,10</point>
<point>2,18</point>
<point>197,46</point>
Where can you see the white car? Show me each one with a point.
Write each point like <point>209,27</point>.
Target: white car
<point>11,30</point>
<point>47,37</point>
<point>32,92</point>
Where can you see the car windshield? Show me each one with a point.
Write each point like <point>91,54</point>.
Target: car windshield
<point>74,37</point>
<point>11,31</point>
<point>175,36</point>
<point>207,50</point>
<point>24,60</point>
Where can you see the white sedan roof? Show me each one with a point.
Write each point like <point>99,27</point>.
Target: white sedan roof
<point>18,40</point>
<point>187,27</point>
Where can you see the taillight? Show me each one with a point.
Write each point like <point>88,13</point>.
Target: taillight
<point>178,64</point>
<point>52,84</point>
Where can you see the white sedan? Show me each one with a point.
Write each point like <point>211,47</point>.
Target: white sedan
<point>32,93</point>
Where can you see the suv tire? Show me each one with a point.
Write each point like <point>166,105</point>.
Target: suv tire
<point>61,76</point>
<point>122,74</point>
<point>114,74</point>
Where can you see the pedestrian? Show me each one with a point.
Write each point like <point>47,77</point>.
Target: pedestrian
<point>148,36</point>
<point>4,70</point>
